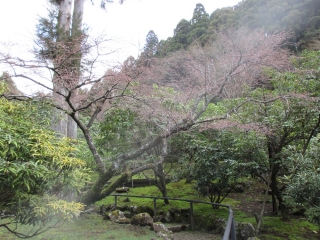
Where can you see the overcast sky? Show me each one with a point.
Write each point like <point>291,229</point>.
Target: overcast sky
<point>126,24</point>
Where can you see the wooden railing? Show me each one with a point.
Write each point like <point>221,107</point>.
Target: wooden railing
<point>230,231</point>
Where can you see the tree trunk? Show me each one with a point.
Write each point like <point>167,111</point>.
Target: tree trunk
<point>65,125</point>
<point>159,171</point>
<point>64,18</point>
<point>76,32</point>
<point>112,187</point>
<point>161,183</point>
<point>77,18</point>
<point>276,194</point>
<point>60,119</point>
<point>95,192</point>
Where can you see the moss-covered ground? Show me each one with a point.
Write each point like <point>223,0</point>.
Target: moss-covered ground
<point>92,226</point>
<point>244,205</point>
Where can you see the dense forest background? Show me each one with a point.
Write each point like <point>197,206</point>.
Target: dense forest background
<point>300,18</point>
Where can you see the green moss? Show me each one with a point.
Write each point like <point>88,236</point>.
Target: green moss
<point>292,230</point>
<point>272,228</point>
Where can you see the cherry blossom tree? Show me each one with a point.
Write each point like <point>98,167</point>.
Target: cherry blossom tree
<point>172,93</point>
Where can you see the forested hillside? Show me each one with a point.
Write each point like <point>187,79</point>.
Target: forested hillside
<point>299,17</point>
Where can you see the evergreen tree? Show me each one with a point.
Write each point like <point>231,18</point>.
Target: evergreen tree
<point>150,48</point>
<point>181,33</point>
<point>199,24</point>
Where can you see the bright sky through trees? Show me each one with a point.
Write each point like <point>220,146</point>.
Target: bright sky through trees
<point>127,25</point>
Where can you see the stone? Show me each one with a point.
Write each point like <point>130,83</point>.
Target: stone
<point>185,214</point>
<point>162,231</point>
<point>124,221</point>
<point>175,214</point>
<point>168,217</point>
<point>107,208</point>
<point>118,217</point>
<point>123,208</point>
<point>215,225</point>
<point>142,219</point>
<point>245,231</point>
<point>142,209</point>
<point>122,190</point>
<point>159,218</point>
<point>177,228</point>
<point>127,214</point>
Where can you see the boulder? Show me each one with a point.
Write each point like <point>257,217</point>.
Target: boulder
<point>162,231</point>
<point>118,217</point>
<point>143,209</point>
<point>127,214</point>
<point>215,225</point>
<point>245,231</point>
<point>124,221</point>
<point>142,219</point>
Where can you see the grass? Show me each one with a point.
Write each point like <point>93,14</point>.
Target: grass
<point>94,227</point>
<point>175,190</point>
<point>90,227</point>
<point>295,229</point>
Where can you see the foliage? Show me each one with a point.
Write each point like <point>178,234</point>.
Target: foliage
<point>117,133</point>
<point>303,180</point>
<point>35,168</point>
<point>209,158</point>
<point>8,85</point>
<point>150,48</point>
<point>199,24</point>
<point>301,18</point>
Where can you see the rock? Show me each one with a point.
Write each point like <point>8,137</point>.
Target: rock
<point>175,214</point>
<point>118,217</point>
<point>157,226</point>
<point>122,190</point>
<point>177,228</point>
<point>142,219</point>
<point>216,225</point>
<point>127,214</point>
<point>124,221</point>
<point>123,208</point>
<point>116,214</point>
<point>168,217</point>
<point>185,214</point>
<point>143,209</point>
<point>162,231</point>
<point>106,208</point>
<point>245,231</point>
<point>159,218</point>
